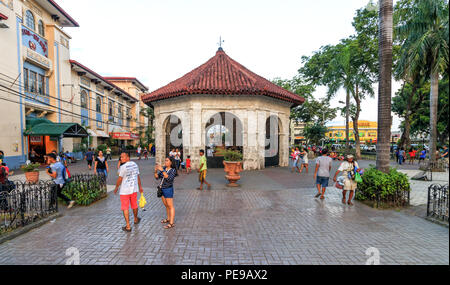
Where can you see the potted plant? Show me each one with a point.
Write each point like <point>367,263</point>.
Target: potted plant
<point>233,165</point>
<point>31,172</point>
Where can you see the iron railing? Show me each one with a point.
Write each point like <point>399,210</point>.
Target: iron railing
<point>399,198</point>
<point>437,205</point>
<point>22,203</point>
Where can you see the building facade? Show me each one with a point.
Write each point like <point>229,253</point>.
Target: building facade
<point>33,68</point>
<point>368,132</point>
<point>296,133</point>
<point>48,101</point>
<point>106,110</point>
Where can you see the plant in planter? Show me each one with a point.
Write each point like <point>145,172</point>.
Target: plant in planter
<point>233,165</point>
<point>31,172</point>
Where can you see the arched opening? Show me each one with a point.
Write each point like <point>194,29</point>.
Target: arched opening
<point>173,135</point>
<point>272,146</point>
<point>29,20</point>
<point>223,132</point>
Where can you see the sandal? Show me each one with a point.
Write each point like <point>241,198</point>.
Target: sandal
<point>169,226</point>
<point>138,221</point>
<point>343,201</point>
<point>350,203</point>
<point>126,230</point>
<point>165,221</point>
<point>322,197</point>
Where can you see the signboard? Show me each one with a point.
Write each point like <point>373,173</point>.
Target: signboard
<point>124,136</point>
<point>35,139</point>
<point>34,42</point>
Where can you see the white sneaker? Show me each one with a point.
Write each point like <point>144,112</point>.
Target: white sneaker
<point>71,204</point>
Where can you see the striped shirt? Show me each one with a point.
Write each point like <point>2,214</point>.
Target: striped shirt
<point>168,182</point>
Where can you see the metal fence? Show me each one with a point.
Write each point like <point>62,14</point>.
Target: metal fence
<point>437,206</point>
<point>398,199</point>
<point>22,203</point>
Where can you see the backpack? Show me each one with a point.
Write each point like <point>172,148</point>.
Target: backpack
<point>66,175</point>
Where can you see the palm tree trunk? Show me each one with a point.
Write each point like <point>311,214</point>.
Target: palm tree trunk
<point>433,114</point>
<point>355,124</point>
<point>347,122</point>
<point>385,84</point>
<point>405,140</point>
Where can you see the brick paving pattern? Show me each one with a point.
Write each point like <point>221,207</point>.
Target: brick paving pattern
<point>271,219</point>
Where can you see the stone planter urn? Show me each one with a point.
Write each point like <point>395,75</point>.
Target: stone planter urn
<point>232,168</point>
<point>31,172</point>
<point>32,176</point>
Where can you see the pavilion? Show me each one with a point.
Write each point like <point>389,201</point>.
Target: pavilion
<point>222,105</point>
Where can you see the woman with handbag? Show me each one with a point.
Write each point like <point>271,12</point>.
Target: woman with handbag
<point>167,175</point>
<point>349,169</point>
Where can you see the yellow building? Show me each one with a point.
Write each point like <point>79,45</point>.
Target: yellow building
<point>367,132</point>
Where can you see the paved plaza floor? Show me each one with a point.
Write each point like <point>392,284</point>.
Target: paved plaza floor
<point>273,218</point>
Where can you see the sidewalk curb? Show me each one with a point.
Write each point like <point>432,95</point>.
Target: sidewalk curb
<point>17,232</point>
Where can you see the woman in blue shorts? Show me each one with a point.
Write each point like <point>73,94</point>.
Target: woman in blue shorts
<point>167,174</point>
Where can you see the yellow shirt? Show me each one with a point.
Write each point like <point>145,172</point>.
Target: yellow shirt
<point>202,160</point>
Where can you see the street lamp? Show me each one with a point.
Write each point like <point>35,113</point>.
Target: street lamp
<point>347,119</point>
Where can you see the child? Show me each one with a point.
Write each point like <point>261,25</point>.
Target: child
<point>188,164</point>
<point>202,169</point>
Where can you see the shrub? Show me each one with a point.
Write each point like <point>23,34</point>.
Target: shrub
<point>232,155</point>
<point>85,189</point>
<point>102,147</point>
<point>389,187</point>
<point>32,167</point>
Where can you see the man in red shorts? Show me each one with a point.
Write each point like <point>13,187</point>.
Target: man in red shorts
<point>129,182</point>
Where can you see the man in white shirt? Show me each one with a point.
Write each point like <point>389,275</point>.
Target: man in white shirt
<point>323,168</point>
<point>129,182</point>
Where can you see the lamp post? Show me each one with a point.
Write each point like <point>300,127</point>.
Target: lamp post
<point>347,120</point>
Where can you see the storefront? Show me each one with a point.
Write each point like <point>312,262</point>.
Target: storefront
<point>44,136</point>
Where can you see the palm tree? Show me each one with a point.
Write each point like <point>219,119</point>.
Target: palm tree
<point>426,46</point>
<point>385,84</point>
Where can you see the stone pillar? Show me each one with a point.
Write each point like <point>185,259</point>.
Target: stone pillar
<point>197,136</point>
<point>284,140</point>
<point>160,143</point>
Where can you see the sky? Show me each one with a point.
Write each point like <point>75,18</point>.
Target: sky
<point>158,41</point>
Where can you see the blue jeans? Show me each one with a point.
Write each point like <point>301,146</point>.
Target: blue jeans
<point>400,159</point>
<point>102,171</point>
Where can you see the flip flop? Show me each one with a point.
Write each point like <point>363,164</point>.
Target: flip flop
<point>317,195</point>
<point>165,221</point>
<point>138,221</point>
<point>126,230</point>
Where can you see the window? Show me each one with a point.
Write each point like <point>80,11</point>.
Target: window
<point>41,84</point>
<point>33,79</point>
<point>98,104</point>
<point>41,28</point>
<point>111,108</point>
<point>30,20</point>
<point>25,79</point>
<point>119,110</point>
<point>84,103</point>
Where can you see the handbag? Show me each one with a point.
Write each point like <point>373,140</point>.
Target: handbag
<point>159,192</point>
<point>358,178</point>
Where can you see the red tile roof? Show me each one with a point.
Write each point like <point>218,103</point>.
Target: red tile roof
<point>133,79</point>
<point>222,75</point>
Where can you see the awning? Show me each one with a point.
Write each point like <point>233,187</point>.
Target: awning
<point>91,133</point>
<point>44,127</point>
<point>102,134</point>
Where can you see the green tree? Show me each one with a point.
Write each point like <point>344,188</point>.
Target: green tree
<point>314,133</point>
<point>425,46</point>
